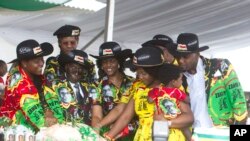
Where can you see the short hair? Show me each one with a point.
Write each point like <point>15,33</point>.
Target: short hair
<point>168,72</point>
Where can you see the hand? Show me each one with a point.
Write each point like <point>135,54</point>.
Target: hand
<point>49,118</point>
<point>107,137</point>
<point>159,116</point>
<point>97,127</point>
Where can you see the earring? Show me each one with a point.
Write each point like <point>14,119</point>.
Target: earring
<point>118,66</point>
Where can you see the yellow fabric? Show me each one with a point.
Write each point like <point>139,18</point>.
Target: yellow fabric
<point>176,135</point>
<point>129,93</point>
<point>145,112</point>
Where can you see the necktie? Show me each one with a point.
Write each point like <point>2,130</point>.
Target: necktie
<point>78,94</point>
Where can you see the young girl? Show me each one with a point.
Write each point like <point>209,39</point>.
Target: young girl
<point>167,98</point>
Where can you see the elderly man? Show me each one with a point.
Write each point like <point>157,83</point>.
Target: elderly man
<point>68,39</point>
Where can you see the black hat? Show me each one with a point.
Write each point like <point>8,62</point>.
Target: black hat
<point>188,43</point>
<point>159,39</point>
<point>67,30</point>
<point>74,56</point>
<point>148,57</point>
<point>112,49</point>
<point>29,49</point>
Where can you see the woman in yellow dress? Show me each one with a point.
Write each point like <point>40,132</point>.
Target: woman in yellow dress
<point>147,61</point>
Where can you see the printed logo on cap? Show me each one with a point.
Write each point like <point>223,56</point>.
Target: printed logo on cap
<point>182,47</point>
<point>161,38</point>
<point>107,52</point>
<point>117,48</point>
<point>162,57</point>
<point>79,59</point>
<point>37,50</point>
<point>24,50</point>
<point>75,32</point>
<point>135,60</point>
<point>193,43</point>
<point>144,57</point>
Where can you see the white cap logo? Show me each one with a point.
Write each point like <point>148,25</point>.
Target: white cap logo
<point>135,60</point>
<point>75,32</point>
<point>107,52</point>
<point>182,47</point>
<point>79,59</point>
<point>37,50</point>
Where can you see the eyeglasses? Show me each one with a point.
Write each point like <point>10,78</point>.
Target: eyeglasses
<point>67,43</point>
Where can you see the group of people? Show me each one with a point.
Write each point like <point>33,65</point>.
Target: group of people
<point>173,83</point>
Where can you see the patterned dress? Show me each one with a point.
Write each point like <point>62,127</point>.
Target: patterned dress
<point>110,96</point>
<point>143,109</point>
<point>167,101</point>
<point>23,104</point>
<point>145,112</point>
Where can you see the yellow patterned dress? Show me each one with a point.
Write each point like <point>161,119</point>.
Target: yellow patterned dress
<point>145,112</point>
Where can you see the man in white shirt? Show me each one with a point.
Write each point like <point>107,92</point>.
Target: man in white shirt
<point>216,96</point>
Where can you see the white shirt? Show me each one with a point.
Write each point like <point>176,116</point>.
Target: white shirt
<point>197,93</point>
<point>74,89</point>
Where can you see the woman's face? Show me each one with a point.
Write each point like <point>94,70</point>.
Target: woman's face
<point>33,66</point>
<point>74,72</point>
<point>68,44</point>
<point>144,76</point>
<point>110,66</point>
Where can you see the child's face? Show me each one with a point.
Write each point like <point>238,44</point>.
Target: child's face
<point>178,82</point>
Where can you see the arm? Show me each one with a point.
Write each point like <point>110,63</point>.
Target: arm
<point>123,120</point>
<point>113,115</point>
<point>96,115</point>
<point>185,119</point>
<point>234,92</point>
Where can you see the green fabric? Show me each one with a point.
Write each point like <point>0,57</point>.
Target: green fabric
<point>54,104</point>
<point>32,108</point>
<point>216,137</point>
<point>226,99</point>
<point>28,5</point>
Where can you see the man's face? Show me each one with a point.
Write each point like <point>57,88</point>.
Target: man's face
<point>65,95</point>
<point>74,72</point>
<point>188,62</point>
<point>33,66</point>
<point>68,44</point>
<point>107,91</point>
